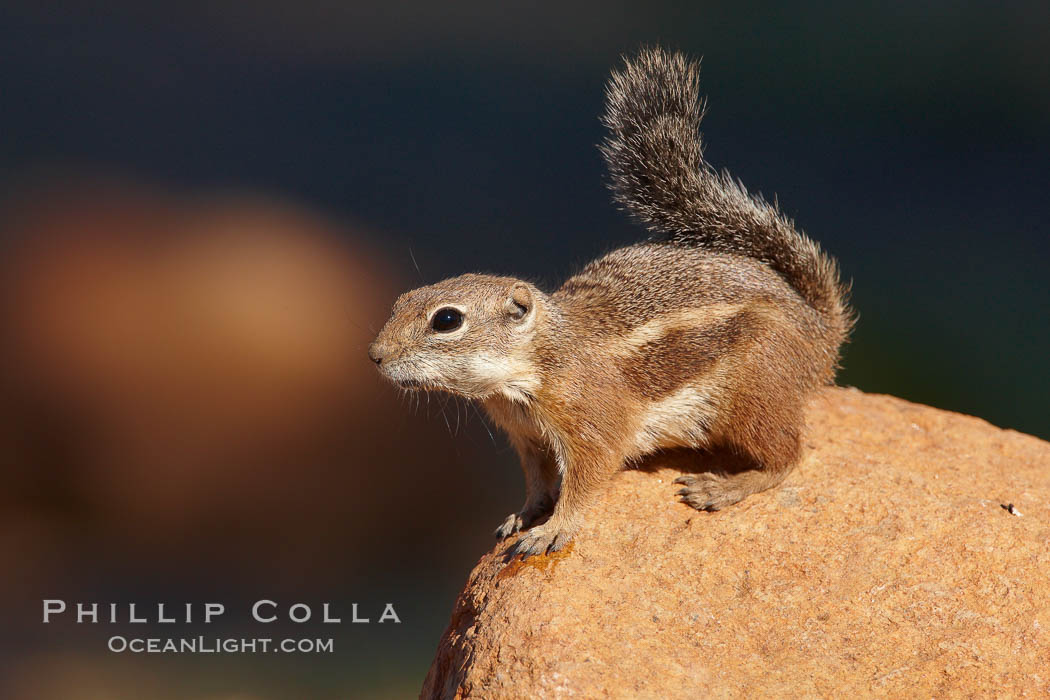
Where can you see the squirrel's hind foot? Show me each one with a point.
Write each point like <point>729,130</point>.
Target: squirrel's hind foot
<point>708,491</point>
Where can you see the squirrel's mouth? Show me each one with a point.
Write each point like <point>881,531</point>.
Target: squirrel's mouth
<point>407,378</point>
<point>411,384</point>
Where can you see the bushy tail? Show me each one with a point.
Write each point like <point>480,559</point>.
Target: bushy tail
<point>655,158</point>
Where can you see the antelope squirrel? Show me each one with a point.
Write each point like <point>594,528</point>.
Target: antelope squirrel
<point>711,333</point>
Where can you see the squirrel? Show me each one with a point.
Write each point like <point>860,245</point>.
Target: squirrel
<point>711,333</point>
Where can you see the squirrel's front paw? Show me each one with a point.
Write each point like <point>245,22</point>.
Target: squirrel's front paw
<point>529,516</point>
<point>542,539</point>
<point>513,523</point>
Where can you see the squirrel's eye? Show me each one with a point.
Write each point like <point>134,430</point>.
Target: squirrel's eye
<point>446,319</point>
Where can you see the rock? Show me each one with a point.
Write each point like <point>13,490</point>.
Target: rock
<point>885,565</point>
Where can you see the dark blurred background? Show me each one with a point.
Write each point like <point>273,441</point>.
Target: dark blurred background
<point>207,209</point>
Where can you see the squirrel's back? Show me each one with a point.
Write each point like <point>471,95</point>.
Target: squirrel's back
<point>631,285</point>
<point>651,296</point>
<point>658,174</point>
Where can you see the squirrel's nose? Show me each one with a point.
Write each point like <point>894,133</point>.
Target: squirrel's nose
<point>377,352</point>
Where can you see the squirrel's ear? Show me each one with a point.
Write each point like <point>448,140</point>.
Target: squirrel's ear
<point>519,301</point>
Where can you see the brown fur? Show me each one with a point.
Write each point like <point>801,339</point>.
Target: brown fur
<point>713,335</point>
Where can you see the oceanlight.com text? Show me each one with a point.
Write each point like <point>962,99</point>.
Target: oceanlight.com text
<point>218,645</point>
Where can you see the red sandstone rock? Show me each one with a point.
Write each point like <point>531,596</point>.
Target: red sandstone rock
<point>884,566</point>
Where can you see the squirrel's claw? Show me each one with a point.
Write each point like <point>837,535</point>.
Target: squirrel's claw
<point>511,525</point>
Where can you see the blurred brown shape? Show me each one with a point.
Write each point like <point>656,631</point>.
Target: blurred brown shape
<point>186,378</point>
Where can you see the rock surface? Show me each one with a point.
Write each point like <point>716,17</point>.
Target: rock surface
<point>885,565</point>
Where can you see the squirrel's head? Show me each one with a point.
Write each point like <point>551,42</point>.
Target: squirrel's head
<point>469,335</point>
